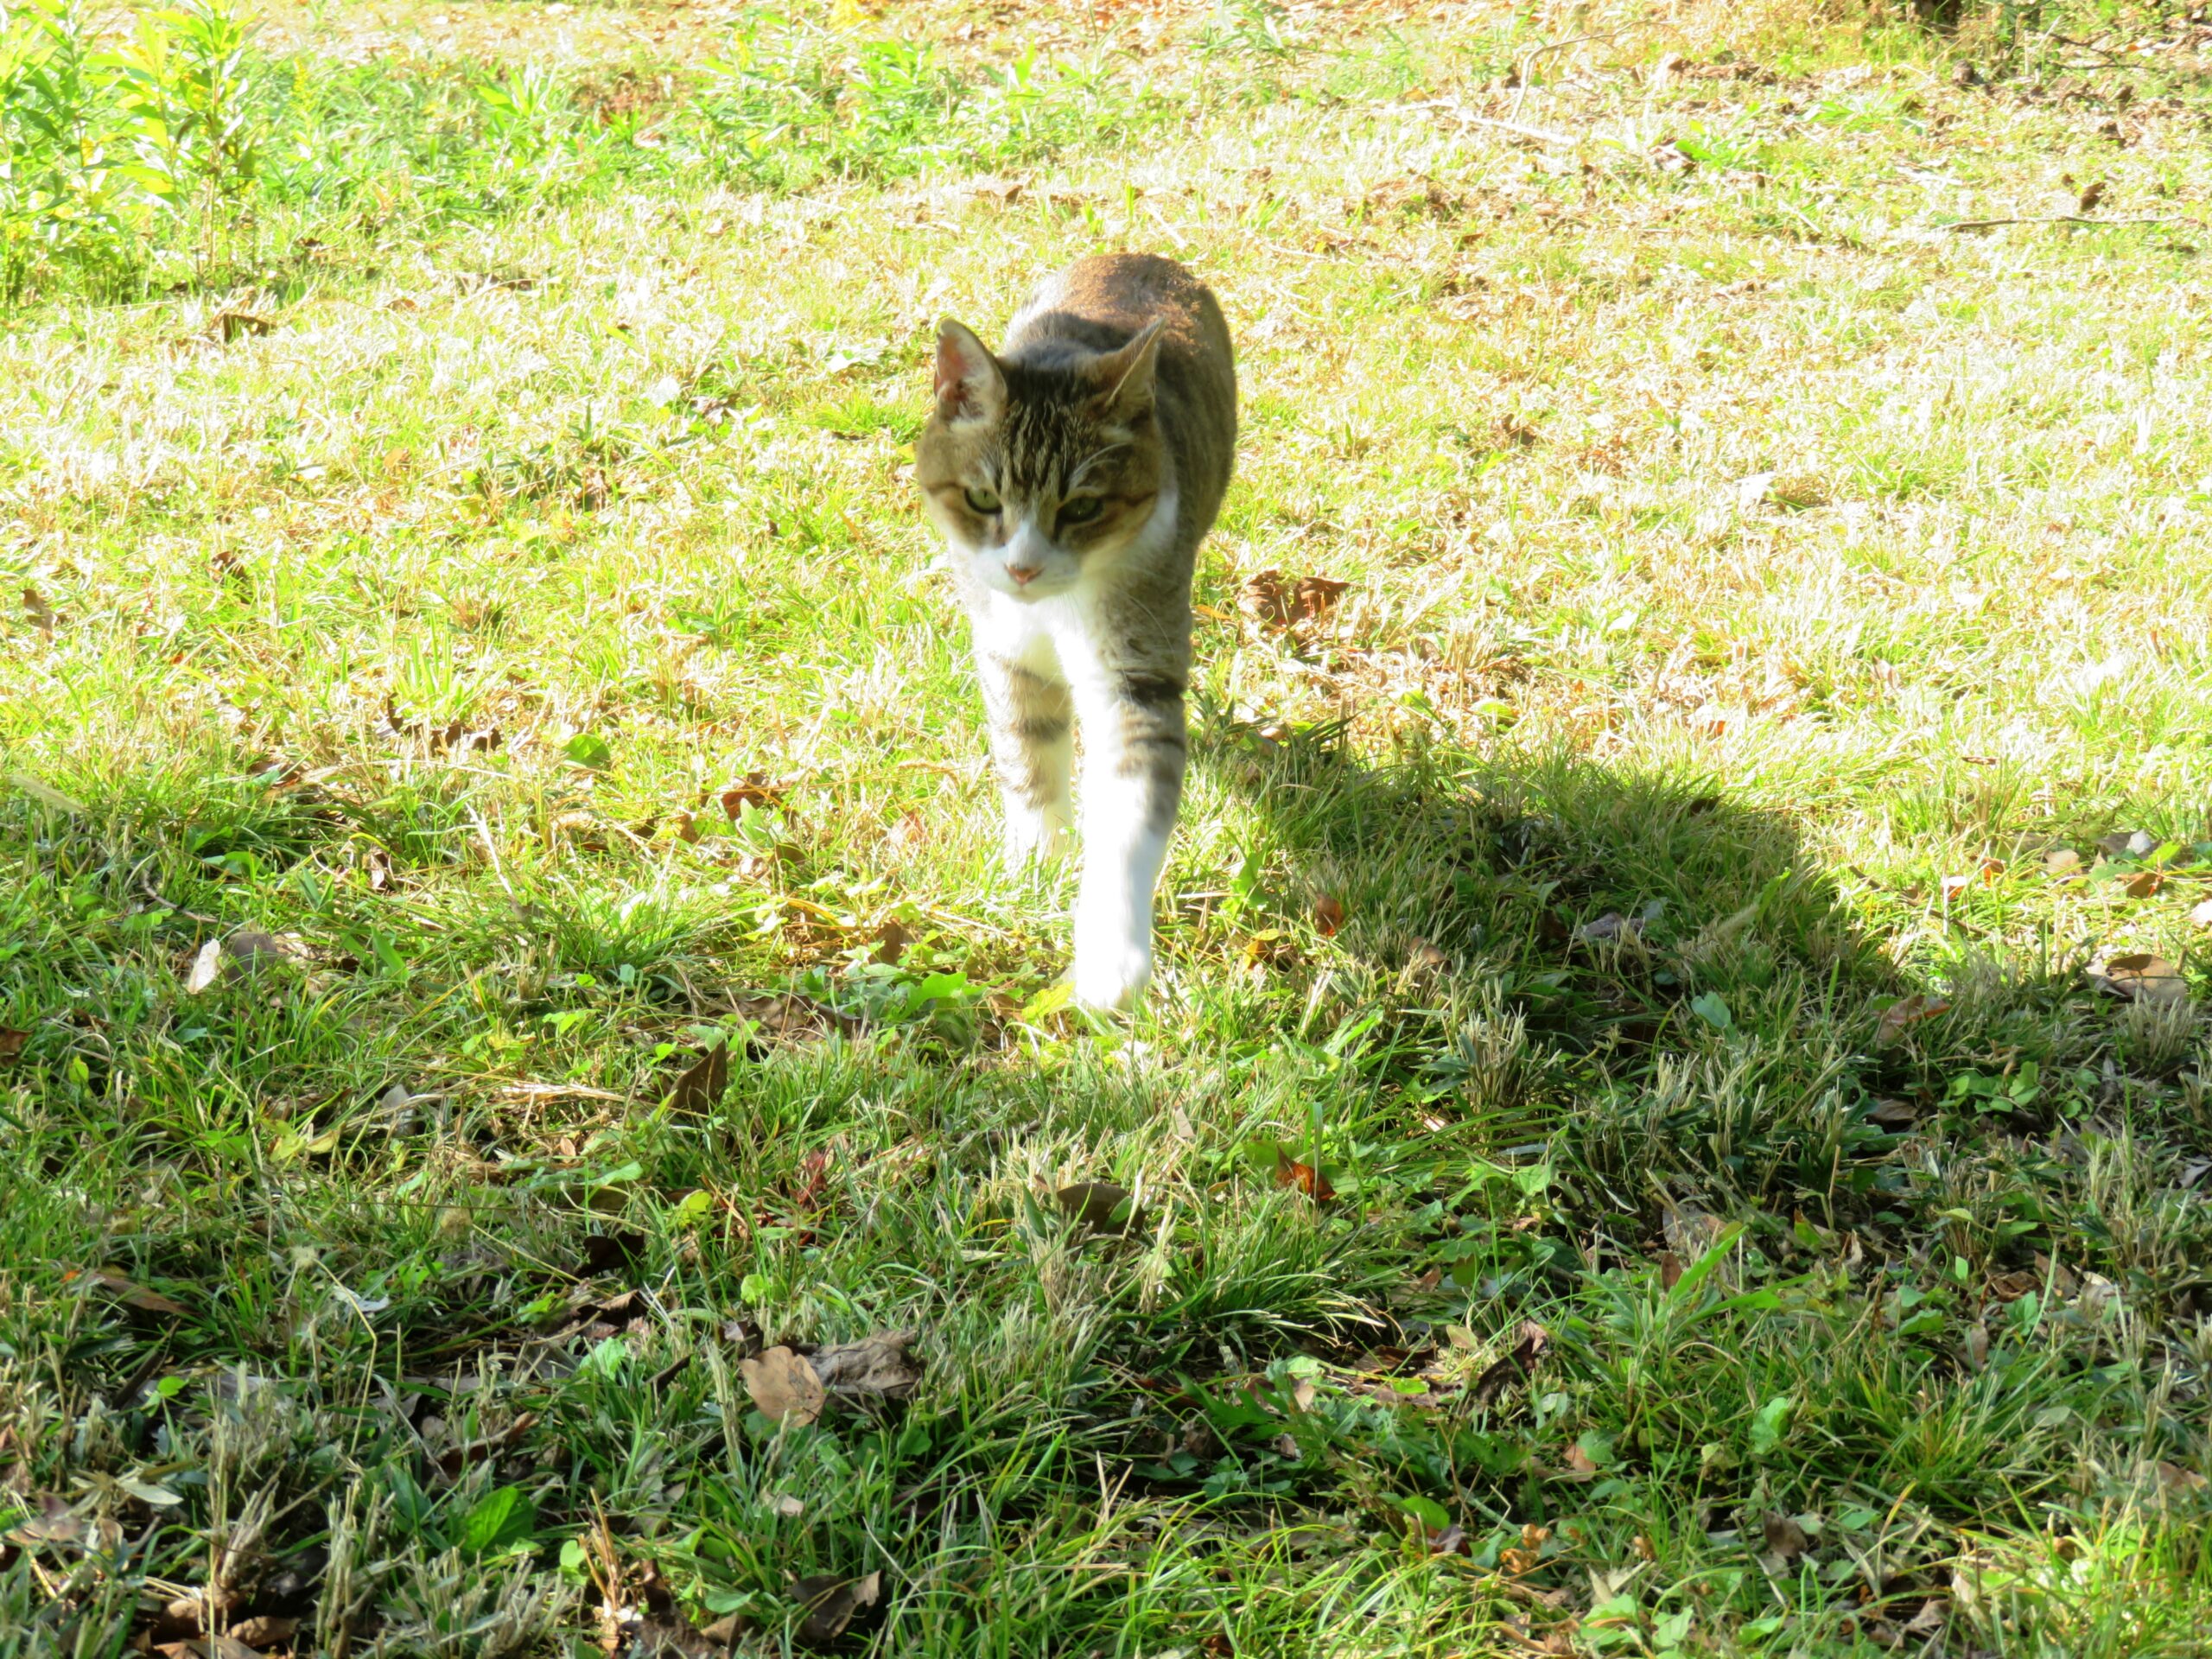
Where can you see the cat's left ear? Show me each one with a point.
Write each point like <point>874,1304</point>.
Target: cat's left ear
<point>1125,376</point>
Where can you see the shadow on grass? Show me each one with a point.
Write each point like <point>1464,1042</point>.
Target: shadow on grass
<point>1651,966</point>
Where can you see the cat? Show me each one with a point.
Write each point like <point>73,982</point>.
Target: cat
<point>1073,475</point>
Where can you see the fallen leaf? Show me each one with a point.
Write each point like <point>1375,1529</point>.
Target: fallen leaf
<point>1453,1541</point>
<point>206,967</point>
<point>1670,1269</point>
<point>613,1252</point>
<point>1425,956</point>
<point>830,1602</point>
<point>264,1630</point>
<point>41,614</point>
<point>1579,1463</point>
<point>11,1044</point>
<point>54,1523</point>
<point>250,949</point>
<point>1095,1205</point>
<point>1328,915</point>
<point>1306,1179</point>
<point>754,790</point>
<point>1611,925</point>
<point>891,942</point>
<point>784,1386</point>
<point>1933,1614</point>
<point>1528,1347</point>
<point>234,325</point>
<point>129,1293</point>
<point>2091,196</point>
<point>1784,1537</point>
<point>878,1367</point>
<point>2147,885</point>
<point>2187,1480</point>
<point>2145,978</point>
<point>1281,601</point>
<point>699,1089</point>
<point>1906,1013</point>
<point>2064,864</point>
<point>2128,844</point>
<point>1952,886</point>
<point>1894,1114</point>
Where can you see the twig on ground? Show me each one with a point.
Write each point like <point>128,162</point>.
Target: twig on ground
<point>2057,219</point>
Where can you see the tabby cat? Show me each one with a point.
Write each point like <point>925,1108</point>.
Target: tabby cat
<point>1073,475</point>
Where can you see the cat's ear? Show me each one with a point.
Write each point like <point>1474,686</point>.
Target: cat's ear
<point>969,386</point>
<point>1125,376</point>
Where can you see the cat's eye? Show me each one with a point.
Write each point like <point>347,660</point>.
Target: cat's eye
<point>982,501</point>
<point>1080,509</point>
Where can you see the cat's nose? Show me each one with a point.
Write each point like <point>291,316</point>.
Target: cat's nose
<point>1024,574</point>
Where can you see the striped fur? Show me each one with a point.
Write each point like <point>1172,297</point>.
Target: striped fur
<point>1073,475</point>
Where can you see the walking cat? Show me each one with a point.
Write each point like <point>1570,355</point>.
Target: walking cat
<point>1073,475</point>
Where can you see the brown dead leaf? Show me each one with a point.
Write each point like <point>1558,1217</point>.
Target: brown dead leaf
<point>2091,196</point>
<point>1933,1614</point>
<point>2181,1479</point>
<point>235,325</point>
<point>1095,1203</point>
<point>41,614</point>
<point>784,1386</point>
<point>1453,1541</point>
<point>1953,885</point>
<point>700,1089</point>
<point>1520,1362</point>
<point>1894,1114</point>
<point>2062,864</point>
<point>1784,1538</point>
<point>891,942</point>
<point>11,1044</point>
<point>1306,1179</point>
<point>754,791</point>
<point>830,1602</point>
<point>877,1367</point>
<point>2145,886</point>
<point>1579,1464</point>
<point>2145,978</point>
<point>1328,915</point>
<point>264,1629</point>
<point>55,1522</point>
<point>1274,600</point>
<point>128,1292</point>
<point>1908,1012</point>
<point>1670,1269</point>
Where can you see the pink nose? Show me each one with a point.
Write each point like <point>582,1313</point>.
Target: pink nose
<point>1024,574</point>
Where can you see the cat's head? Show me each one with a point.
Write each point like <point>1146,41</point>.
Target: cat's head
<point>1035,471</point>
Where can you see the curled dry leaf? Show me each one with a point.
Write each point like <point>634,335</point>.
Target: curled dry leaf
<point>699,1089</point>
<point>1784,1538</point>
<point>2147,885</point>
<point>264,1629</point>
<point>891,942</point>
<point>876,1367</point>
<point>128,1292</point>
<point>1518,1363</point>
<point>783,1387</point>
<point>1908,1012</point>
<point>1328,915</point>
<point>1306,1179</point>
<point>1277,600</point>
<point>206,967</point>
<point>2145,978</point>
<point>754,791</point>
<point>11,1044</point>
<point>1095,1205</point>
<point>830,1604</point>
<point>1611,925</point>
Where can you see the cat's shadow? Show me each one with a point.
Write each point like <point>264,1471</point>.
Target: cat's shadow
<point>1637,929</point>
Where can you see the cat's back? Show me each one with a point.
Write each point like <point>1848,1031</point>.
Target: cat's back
<point>1099,302</point>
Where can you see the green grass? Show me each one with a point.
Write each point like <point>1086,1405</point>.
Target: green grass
<point>1643,896</point>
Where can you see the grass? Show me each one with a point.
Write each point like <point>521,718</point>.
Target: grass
<point>1651,1134</point>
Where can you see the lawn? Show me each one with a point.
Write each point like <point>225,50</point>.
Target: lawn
<point>1674,1115</point>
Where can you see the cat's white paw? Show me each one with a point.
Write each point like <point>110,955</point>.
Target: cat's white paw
<point>1113,962</point>
<point>1032,836</point>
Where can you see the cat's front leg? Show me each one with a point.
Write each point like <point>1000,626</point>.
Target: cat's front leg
<point>1032,750</point>
<point>1133,746</point>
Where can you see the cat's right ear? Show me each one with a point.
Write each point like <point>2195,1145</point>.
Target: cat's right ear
<point>969,386</point>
